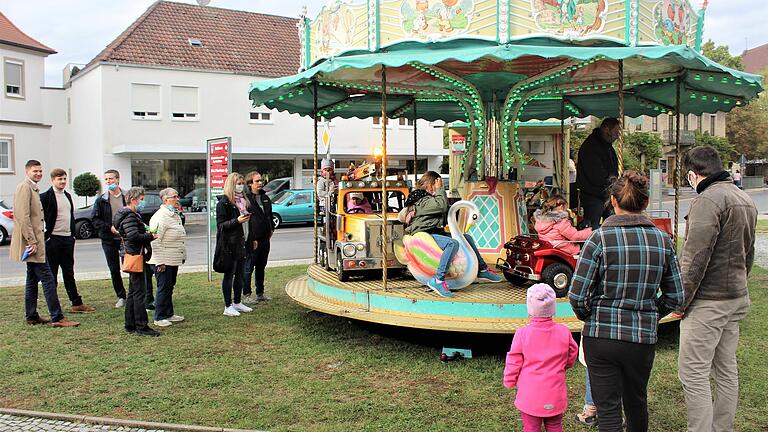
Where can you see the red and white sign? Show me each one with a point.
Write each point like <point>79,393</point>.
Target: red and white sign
<point>219,151</point>
<point>458,144</point>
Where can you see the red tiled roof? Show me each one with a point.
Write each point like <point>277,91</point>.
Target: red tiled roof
<point>232,41</point>
<point>11,35</point>
<point>755,59</point>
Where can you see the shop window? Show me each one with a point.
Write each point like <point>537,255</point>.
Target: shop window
<point>6,154</point>
<point>261,116</point>
<point>14,78</point>
<point>655,124</point>
<point>145,101</point>
<point>184,103</point>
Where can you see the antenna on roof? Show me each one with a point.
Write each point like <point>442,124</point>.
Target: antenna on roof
<point>203,2</point>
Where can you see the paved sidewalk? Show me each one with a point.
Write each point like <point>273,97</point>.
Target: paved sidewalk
<point>9,423</point>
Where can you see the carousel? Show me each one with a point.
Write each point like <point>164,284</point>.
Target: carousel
<point>496,71</point>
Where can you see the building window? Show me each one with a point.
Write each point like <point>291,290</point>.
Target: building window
<point>685,122</point>
<point>671,119</point>
<point>698,122</point>
<point>145,101</point>
<point>639,124</point>
<point>655,124</point>
<point>377,122</point>
<point>712,119</point>
<point>14,78</point>
<point>261,116</point>
<point>6,154</point>
<point>184,105</point>
<point>405,123</point>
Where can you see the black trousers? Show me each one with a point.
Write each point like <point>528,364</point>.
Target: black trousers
<point>135,312</point>
<point>60,252</point>
<point>149,296</point>
<point>619,373</point>
<point>595,209</point>
<point>112,254</point>
<point>256,263</point>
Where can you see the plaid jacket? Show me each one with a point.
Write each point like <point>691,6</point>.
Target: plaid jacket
<point>615,289</point>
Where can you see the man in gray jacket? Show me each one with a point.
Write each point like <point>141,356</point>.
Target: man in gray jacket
<point>717,257</point>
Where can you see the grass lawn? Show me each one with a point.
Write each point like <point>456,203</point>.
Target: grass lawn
<point>762,226</point>
<point>285,368</point>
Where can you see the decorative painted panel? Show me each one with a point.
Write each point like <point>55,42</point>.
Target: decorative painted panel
<point>339,27</point>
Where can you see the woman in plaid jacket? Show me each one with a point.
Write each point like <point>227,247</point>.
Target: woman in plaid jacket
<point>627,278</point>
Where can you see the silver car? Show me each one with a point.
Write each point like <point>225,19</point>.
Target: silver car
<point>6,222</point>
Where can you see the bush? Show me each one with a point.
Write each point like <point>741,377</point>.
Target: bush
<point>86,185</point>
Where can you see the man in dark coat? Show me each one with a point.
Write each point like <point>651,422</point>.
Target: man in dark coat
<point>596,168</point>
<point>59,216</point>
<point>104,209</point>
<point>260,230</point>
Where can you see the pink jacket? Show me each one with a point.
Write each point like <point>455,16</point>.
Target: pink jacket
<point>556,228</point>
<point>536,364</point>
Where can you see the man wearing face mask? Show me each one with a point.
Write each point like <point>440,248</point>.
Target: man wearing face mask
<point>596,168</point>
<point>104,208</point>
<point>717,257</point>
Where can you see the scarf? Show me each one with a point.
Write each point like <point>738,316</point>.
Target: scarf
<point>707,182</point>
<point>240,203</point>
<point>416,196</point>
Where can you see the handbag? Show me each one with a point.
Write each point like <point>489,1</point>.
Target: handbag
<point>133,263</point>
<point>223,259</point>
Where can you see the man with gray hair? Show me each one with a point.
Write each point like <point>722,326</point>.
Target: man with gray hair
<point>717,257</point>
<point>169,252</point>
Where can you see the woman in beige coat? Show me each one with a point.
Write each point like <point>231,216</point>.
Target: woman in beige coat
<point>169,252</point>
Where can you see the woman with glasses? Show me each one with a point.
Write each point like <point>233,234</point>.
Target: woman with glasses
<point>169,253</point>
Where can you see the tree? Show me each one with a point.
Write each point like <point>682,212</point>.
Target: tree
<point>722,55</point>
<point>723,147</point>
<point>86,185</point>
<point>747,126</point>
<point>641,150</point>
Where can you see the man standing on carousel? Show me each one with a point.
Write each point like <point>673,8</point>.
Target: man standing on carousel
<point>596,168</point>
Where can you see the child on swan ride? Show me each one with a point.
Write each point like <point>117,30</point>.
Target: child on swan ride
<point>553,224</point>
<point>431,207</point>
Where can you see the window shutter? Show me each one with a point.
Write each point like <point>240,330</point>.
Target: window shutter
<point>184,100</point>
<point>145,98</point>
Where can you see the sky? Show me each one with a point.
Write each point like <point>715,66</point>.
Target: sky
<point>80,29</point>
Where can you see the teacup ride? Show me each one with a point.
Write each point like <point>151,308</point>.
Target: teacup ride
<point>490,70</point>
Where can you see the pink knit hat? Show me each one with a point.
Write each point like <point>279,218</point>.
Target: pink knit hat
<point>541,301</point>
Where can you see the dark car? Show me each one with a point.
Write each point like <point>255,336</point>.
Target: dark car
<point>84,227</point>
<point>194,201</point>
<point>278,185</point>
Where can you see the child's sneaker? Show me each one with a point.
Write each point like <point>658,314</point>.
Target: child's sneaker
<point>489,275</point>
<point>588,416</point>
<point>440,287</point>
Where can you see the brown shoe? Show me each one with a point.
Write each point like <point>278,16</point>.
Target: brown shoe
<point>82,309</point>
<point>37,320</point>
<point>65,323</point>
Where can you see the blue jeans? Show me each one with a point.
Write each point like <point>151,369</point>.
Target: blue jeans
<point>233,281</point>
<point>166,280</point>
<point>449,247</point>
<point>40,272</point>
<point>588,391</point>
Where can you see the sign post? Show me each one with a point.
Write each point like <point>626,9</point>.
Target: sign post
<point>218,169</point>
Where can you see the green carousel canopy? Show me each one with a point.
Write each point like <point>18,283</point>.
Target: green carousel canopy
<point>494,63</point>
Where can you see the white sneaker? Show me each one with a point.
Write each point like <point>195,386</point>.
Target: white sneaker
<point>231,311</point>
<point>241,307</point>
<point>163,323</point>
<point>176,318</point>
<point>120,303</point>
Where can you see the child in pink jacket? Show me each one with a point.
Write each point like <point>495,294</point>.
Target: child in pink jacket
<point>553,224</point>
<point>536,364</point>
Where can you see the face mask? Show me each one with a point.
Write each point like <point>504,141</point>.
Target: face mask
<point>692,179</point>
<point>140,206</point>
<point>112,187</point>
<point>171,208</point>
<point>239,188</point>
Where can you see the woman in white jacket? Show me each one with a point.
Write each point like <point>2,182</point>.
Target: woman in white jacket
<point>168,253</point>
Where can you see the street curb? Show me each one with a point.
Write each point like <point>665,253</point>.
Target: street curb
<point>118,422</point>
<point>88,276</point>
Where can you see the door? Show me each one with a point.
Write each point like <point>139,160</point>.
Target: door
<point>303,206</point>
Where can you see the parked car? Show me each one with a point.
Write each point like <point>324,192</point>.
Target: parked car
<point>293,205</point>
<point>6,222</point>
<point>278,185</point>
<point>84,226</point>
<point>195,201</point>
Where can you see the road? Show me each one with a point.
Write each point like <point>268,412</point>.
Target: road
<point>288,242</point>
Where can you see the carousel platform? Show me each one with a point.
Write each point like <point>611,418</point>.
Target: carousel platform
<point>479,308</point>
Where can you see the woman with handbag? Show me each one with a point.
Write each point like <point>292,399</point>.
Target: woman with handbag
<point>232,218</point>
<point>138,251</point>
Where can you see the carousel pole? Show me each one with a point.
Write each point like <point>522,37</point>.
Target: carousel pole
<point>314,175</point>
<point>564,185</point>
<point>621,116</point>
<point>415,146</point>
<point>678,163</point>
<point>384,200</point>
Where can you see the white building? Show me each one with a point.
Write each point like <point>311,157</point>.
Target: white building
<point>147,103</point>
